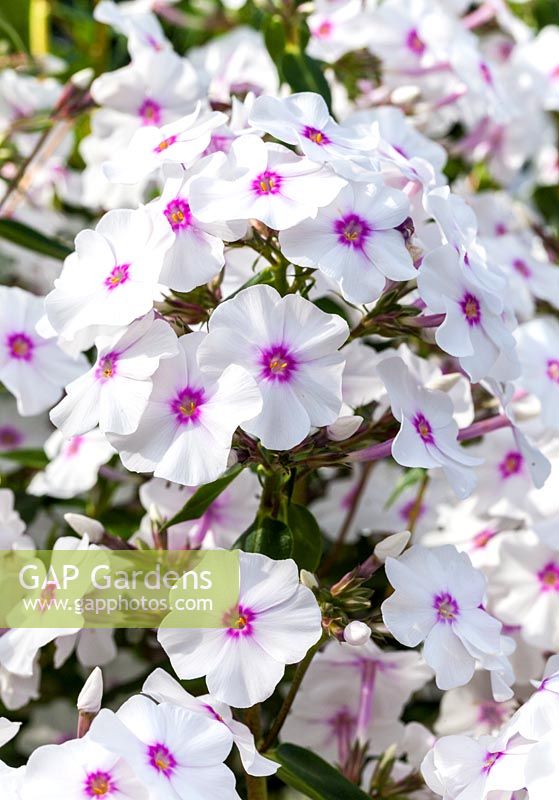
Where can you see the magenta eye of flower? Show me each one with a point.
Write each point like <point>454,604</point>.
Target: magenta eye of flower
<point>99,784</point>
<point>239,621</point>
<point>277,363</point>
<point>415,43</point>
<point>20,346</point>
<point>446,607</point>
<point>73,446</point>
<point>178,214</point>
<point>522,267</point>
<point>186,406</point>
<point>106,368</point>
<point>548,577</point>
<point>471,309</point>
<point>325,29</point>
<point>267,182</point>
<point>150,112</point>
<point>162,759</point>
<point>483,538</point>
<point>118,276</point>
<point>316,136</point>
<point>164,144</point>
<point>352,230</point>
<point>490,761</point>
<point>491,714</point>
<point>423,428</point>
<point>9,437</point>
<point>511,464</point>
<point>553,369</point>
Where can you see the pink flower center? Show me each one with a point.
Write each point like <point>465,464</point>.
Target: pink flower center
<point>10,437</point>
<point>553,369</point>
<point>548,577</point>
<point>267,182</point>
<point>446,607</point>
<point>150,112</point>
<point>238,622</point>
<point>481,539</point>
<point>20,346</point>
<point>316,136</point>
<point>424,429</point>
<point>490,761</point>
<point>511,464</point>
<point>277,363</point>
<point>415,43</point>
<point>500,229</point>
<point>118,276</point>
<point>106,367</point>
<point>491,714</point>
<point>99,784</point>
<point>324,29</point>
<point>72,446</point>
<point>178,214</point>
<point>186,406</point>
<point>164,144</point>
<point>522,268</point>
<point>352,230</point>
<point>486,73</point>
<point>161,759</point>
<point>471,309</point>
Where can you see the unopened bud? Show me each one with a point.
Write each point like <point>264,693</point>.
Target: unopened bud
<point>357,633</point>
<point>308,579</point>
<point>344,427</point>
<point>82,79</point>
<point>91,696</point>
<point>86,526</point>
<point>392,546</point>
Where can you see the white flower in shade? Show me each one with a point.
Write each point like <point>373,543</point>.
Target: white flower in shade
<point>154,89</point>
<point>16,690</point>
<point>538,59</point>
<point>19,433</point>
<point>175,753</point>
<point>115,392</point>
<point>538,350</point>
<point>151,147</point>
<point>476,327</point>
<point>437,599</point>
<point>460,768</point>
<point>165,689</point>
<point>266,182</point>
<point>74,464</point>
<point>303,119</point>
<point>219,526</point>
<point>33,368</point>
<point>532,568</point>
<point>541,772</point>
<point>472,709</point>
<point>186,430</point>
<point>539,715</point>
<point>80,769</point>
<point>111,278</point>
<point>197,253</point>
<point>516,479</point>
<point>290,347</point>
<point>428,433</point>
<point>354,240</point>
<point>12,526</point>
<point>275,623</point>
<point>142,29</point>
<point>529,273</point>
<point>354,694</point>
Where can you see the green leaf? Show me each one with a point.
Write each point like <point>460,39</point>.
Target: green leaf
<point>304,74</point>
<point>204,497</point>
<point>274,36</point>
<point>307,538</point>
<point>315,778</point>
<point>271,537</point>
<point>24,236</point>
<point>36,459</point>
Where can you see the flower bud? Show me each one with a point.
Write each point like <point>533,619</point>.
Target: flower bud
<point>91,696</point>
<point>357,633</point>
<point>392,546</point>
<point>308,579</point>
<point>85,526</point>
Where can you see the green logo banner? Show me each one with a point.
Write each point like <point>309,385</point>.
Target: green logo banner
<point>97,588</point>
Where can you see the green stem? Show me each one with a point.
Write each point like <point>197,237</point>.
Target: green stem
<point>257,787</point>
<point>300,672</point>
